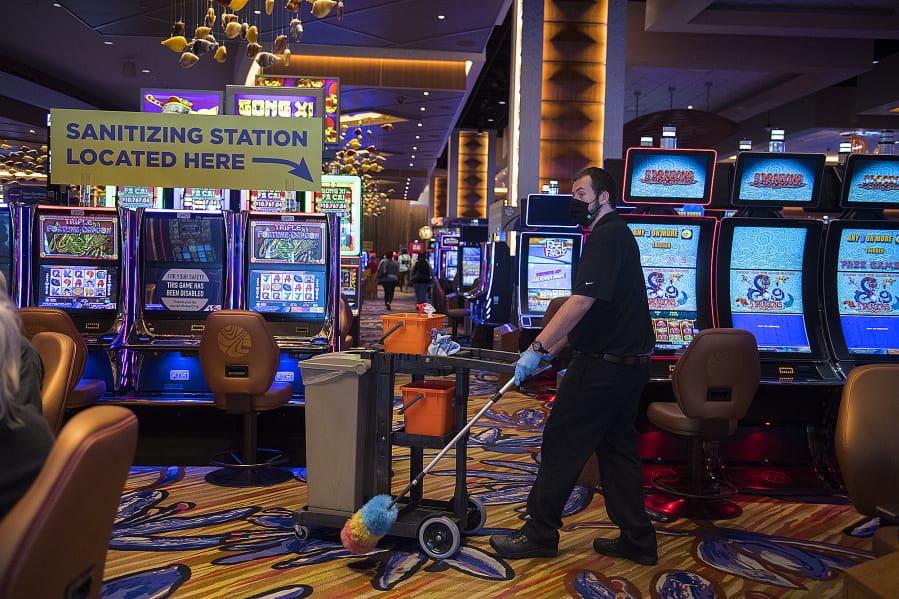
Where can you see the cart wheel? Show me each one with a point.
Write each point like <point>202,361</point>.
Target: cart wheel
<point>302,532</point>
<point>439,537</point>
<point>475,517</point>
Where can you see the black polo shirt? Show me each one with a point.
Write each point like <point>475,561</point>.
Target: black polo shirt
<point>609,271</point>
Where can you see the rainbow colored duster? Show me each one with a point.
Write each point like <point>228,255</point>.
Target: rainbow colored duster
<point>365,528</point>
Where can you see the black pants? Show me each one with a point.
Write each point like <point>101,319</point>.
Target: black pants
<point>389,288</point>
<point>595,411</point>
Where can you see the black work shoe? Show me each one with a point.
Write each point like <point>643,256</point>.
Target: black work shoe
<point>518,546</point>
<point>620,548</point>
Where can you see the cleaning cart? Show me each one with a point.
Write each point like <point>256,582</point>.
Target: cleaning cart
<point>350,440</point>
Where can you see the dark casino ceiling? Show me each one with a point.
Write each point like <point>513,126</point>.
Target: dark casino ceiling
<point>721,70</point>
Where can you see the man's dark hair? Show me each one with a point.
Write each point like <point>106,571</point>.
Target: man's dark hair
<point>601,181</point>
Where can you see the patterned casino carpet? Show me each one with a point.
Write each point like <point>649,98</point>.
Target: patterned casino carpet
<point>176,536</point>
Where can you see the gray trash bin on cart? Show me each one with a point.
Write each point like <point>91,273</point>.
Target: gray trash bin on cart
<point>339,427</point>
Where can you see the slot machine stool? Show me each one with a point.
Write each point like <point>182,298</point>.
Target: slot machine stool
<point>714,382</point>
<point>239,359</point>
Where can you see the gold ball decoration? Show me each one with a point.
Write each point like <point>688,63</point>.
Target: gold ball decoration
<point>361,158</point>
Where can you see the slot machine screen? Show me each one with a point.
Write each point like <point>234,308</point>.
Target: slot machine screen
<point>767,282</point>
<point>77,265</point>
<point>183,261</point>
<point>287,267</point>
<point>676,256</point>
<point>449,263</point>
<point>871,181</point>
<point>777,179</point>
<point>547,269</point>
<point>287,291</point>
<point>549,210</point>
<point>6,246</point>
<point>471,264</point>
<point>862,289</point>
<point>668,176</point>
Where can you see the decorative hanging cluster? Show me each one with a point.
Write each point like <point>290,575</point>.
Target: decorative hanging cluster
<point>204,40</point>
<point>367,161</point>
<point>23,163</point>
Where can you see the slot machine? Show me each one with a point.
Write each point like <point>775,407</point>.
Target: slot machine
<point>448,258</point>
<point>861,265</point>
<point>7,246</point>
<point>491,301</point>
<point>184,261</point>
<point>76,266</point>
<point>767,271</point>
<point>342,195</point>
<point>675,251</point>
<point>548,252</point>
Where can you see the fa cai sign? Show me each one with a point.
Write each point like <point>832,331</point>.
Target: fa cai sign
<point>174,150</point>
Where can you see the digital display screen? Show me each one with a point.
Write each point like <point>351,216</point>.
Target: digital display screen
<point>349,280</point>
<point>287,291</point>
<point>284,102</point>
<point>183,289</point>
<point>450,266</point>
<point>774,179</point>
<point>765,286</point>
<point>549,210</point>
<point>181,101</point>
<point>287,242</point>
<point>78,237</point>
<point>549,271</point>
<point>341,194</point>
<point>194,240</point>
<point>669,255</point>
<point>668,176</point>
<point>871,180</point>
<point>262,200</point>
<point>71,287</point>
<point>182,266</point>
<point>471,265</point>
<point>331,87</point>
<point>867,284</point>
<point>138,197</point>
<point>198,198</point>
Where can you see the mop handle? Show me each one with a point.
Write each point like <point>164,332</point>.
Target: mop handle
<point>390,332</point>
<point>409,405</point>
<point>455,440</point>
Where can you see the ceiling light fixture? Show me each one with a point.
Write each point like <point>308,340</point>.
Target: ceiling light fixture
<point>107,43</point>
<point>422,108</point>
<point>441,17</point>
<point>420,125</point>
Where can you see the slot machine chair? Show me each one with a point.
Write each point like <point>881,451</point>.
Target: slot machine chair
<point>867,445</point>
<point>239,359</point>
<point>346,325</point>
<point>82,392</point>
<point>714,382</point>
<point>57,353</point>
<point>55,538</point>
<point>441,301</point>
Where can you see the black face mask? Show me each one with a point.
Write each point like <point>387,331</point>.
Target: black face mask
<point>580,212</point>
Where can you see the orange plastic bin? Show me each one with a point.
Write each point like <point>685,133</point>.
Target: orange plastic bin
<point>414,336</point>
<point>435,413</point>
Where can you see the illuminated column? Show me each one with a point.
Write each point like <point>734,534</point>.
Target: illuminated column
<point>472,167</point>
<point>439,195</point>
<point>559,56</point>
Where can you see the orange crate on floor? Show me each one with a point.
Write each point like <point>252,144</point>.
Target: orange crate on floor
<point>435,413</point>
<point>414,336</point>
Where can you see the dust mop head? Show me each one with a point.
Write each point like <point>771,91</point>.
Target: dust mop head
<point>365,528</point>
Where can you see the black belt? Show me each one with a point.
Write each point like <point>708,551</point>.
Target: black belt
<point>616,359</point>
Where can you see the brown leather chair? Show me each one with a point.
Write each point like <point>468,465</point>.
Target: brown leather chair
<point>867,444</point>
<point>57,353</point>
<point>239,359</point>
<point>56,537</point>
<point>83,392</point>
<point>441,302</point>
<point>714,382</point>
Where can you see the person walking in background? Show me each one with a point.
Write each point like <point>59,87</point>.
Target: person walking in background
<point>388,276</point>
<point>405,261</point>
<point>421,278</point>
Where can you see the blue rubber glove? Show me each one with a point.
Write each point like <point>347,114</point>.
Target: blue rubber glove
<point>528,363</point>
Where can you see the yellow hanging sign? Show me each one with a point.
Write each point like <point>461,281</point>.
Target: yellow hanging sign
<point>95,147</point>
